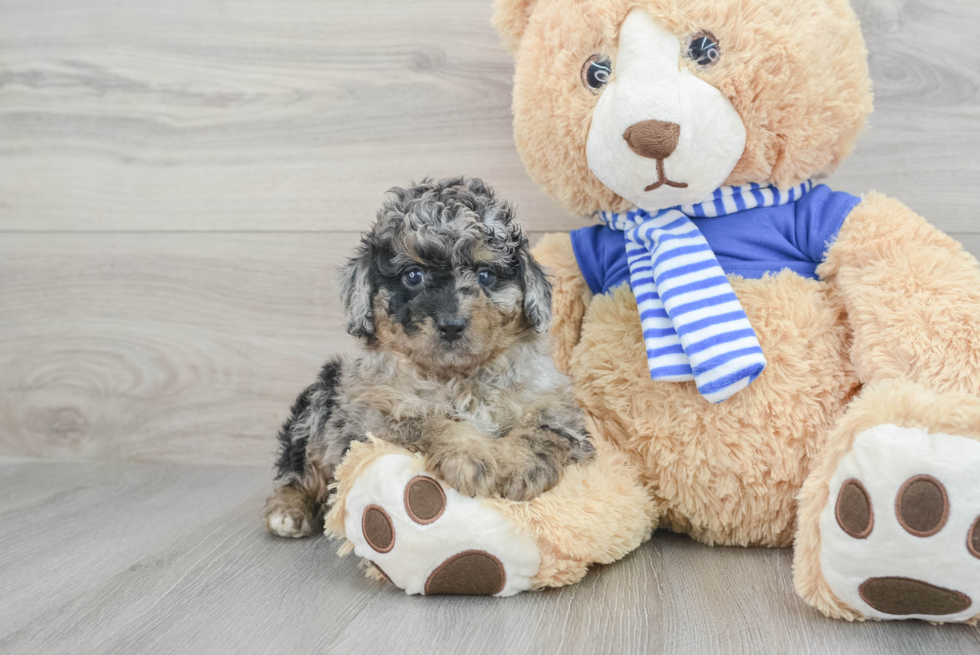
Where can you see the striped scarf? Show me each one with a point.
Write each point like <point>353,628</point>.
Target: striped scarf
<point>694,327</point>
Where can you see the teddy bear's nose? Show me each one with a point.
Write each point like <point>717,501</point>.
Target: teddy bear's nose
<point>653,139</point>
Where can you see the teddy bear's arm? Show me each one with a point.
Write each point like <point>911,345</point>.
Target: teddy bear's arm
<point>570,296</point>
<point>912,296</point>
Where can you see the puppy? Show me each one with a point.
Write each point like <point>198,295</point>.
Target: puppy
<point>452,310</point>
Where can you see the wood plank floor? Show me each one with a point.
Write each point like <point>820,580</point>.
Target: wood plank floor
<point>178,182</point>
<point>163,558</point>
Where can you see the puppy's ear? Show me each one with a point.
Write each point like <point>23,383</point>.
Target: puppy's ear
<point>537,291</point>
<point>355,290</point>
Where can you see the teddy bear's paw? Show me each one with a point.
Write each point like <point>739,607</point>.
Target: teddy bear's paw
<point>900,536</point>
<point>429,539</point>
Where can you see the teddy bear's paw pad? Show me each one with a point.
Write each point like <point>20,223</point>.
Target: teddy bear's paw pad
<point>904,596</point>
<point>471,573</point>
<point>922,506</point>
<point>430,539</point>
<point>377,529</point>
<point>901,536</point>
<point>855,516</point>
<point>425,500</point>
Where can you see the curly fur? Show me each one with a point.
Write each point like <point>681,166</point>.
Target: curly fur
<point>487,408</point>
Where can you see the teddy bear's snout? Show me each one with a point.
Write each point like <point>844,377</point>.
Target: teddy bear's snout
<point>653,139</point>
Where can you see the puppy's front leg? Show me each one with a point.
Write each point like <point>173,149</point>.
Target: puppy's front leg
<point>532,460</point>
<point>461,455</point>
<point>519,466</point>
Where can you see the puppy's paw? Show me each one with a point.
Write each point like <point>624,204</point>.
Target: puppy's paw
<point>469,474</point>
<point>520,466</point>
<point>288,523</point>
<point>528,484</point>
<point>583,452</point>
<point>286,514</point>
<point>533,462</point>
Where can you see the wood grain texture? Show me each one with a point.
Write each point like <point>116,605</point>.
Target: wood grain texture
<point>298,114</point>
<point>179,180</point>
<point>252,115</point>
<point>177,347</point>
<point>161,558</point>
<point>180,347</point>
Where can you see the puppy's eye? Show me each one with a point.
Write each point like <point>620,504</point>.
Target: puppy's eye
<point>486,278</point>
<point>596,72</point>
<point>413,278</point>
<point>703,49</point>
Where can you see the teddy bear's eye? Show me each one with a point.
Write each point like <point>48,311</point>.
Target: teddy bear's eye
<point>596,72</point>
<point>703,49</point>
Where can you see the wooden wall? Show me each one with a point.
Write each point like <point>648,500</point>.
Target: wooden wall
<point>179,180</point>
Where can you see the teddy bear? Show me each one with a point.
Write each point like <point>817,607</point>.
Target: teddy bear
<point>763,361</point>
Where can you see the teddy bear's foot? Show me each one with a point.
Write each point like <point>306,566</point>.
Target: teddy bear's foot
<point>429,539</point>
<point>900,535</point>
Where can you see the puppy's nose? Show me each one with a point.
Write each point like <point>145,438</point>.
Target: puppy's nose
<point>653,139</point>
<point>451,329</point>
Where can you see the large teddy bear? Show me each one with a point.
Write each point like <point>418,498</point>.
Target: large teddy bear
<point>802,367</point>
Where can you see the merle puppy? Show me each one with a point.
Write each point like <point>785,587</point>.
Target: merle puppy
<point>452,310</point>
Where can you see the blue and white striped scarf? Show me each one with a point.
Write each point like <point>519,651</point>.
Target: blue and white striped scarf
<point>694,327</point>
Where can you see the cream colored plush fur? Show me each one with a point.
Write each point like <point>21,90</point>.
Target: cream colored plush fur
<point>795,70</point>
<point>597,513</point>
<point>904,403</point>
<point>896,311</point>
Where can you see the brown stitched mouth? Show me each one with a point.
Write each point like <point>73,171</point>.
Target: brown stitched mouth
<point>662,179</point>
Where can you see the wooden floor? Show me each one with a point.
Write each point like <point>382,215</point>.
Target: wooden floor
<point>179,181</point>
<point>166,558</point>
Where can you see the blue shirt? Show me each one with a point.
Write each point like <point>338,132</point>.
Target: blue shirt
<point>749,243</point>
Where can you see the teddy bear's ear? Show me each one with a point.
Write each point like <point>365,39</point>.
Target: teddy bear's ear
<point>510,18</point>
